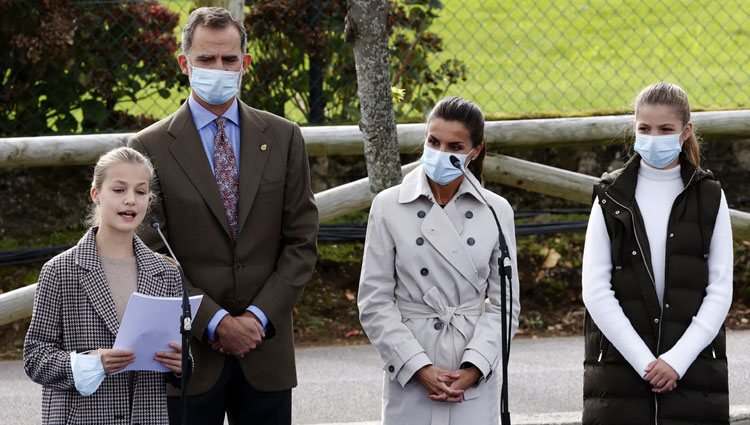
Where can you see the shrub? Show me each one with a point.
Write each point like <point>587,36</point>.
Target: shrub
<point>61,57</point>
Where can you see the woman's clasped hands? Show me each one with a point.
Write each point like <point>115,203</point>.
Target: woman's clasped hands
<point>661,376</point>
<point>446,385</point>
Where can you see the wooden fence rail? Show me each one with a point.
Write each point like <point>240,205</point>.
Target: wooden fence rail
<point>347,140</point>
<point>356,196</point>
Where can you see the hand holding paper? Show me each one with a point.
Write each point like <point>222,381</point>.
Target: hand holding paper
<point>149,325</point>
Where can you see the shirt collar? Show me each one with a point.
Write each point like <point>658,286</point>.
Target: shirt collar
<point>202,116</point>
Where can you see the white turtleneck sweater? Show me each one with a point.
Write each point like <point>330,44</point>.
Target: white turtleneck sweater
<point>655,193</point>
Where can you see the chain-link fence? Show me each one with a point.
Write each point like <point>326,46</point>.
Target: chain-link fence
<point>97,66</point>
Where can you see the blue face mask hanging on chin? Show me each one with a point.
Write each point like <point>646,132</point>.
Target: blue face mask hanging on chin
<point>437,165</point>
<point>215,86</point>
<point>658,151</point>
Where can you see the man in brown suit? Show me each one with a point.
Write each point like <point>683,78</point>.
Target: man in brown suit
<point>237,208</point>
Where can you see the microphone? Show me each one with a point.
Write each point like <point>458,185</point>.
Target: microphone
<point>186,323</point>
<point>505,270</point>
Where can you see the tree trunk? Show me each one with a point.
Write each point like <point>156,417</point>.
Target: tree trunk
<point>367,31</point>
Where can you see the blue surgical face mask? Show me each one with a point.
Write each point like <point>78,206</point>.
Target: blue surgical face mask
<point>437,165</point>
<point>215,86</point>
<point>658,151</point>
<point>88,372</point>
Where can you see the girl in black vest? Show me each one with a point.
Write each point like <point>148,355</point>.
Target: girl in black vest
<point>657,278</point>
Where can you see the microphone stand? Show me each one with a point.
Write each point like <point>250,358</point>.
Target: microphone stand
<point>186,324</point>
<point>505,270</point>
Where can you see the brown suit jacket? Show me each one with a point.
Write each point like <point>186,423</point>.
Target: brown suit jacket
<point>275,250</point>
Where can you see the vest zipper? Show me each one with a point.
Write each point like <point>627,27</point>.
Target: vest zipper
<point>653,282</point>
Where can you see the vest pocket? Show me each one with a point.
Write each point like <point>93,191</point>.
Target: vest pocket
<point>603,347</point>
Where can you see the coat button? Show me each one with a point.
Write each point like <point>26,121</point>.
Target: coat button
<point>656,320</point>
<point>635,253</point>
<point>421,214</point>
<point>468,214</point>
<point>438,326</point>
<point>238,266</point>
<point>391,369</point>
<point>671,235</point>
<point>424,272</point>
<point>420,241</point>
<point>666,306</point>
<point>604,201</point>
<point>470,241</point>
<point>617,212</point>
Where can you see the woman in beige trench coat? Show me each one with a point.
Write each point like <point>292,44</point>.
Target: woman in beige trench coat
<point>429,294</point>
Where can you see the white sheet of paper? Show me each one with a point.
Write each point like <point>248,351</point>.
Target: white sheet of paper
<point>149,325</point>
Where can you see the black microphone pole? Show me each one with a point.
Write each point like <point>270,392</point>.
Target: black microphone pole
<point>186,323</point>
<point>505,270</point>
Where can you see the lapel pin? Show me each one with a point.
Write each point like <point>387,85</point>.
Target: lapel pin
<point>263,147</point>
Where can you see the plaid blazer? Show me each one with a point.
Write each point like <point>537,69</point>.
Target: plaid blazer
<point>74,311</point>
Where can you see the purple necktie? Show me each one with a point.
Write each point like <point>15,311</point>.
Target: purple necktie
<point>226,174</point>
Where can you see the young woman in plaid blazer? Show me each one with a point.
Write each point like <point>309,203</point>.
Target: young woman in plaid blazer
<point>80,300</point>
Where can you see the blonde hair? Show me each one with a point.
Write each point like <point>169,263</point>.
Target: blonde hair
<point>114,157</point>
<point>672,95</point>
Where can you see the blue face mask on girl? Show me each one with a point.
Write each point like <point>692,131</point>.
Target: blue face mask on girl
<point>658,151</point>
<point>215,86</point>
<point>437,165</point>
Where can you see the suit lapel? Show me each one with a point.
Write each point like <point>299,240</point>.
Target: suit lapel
<point>94,282</point>
<point>255,148</point>
<point>439,231</point>
<point>187,150</point>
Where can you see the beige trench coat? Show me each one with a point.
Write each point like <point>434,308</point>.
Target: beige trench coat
<point>429,293</point>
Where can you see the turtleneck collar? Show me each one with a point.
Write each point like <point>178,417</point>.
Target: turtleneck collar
<point>648,172</point>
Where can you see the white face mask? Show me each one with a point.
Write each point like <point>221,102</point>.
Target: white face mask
<point>88,372</point>
<point>215,86</point>
<point>438,167</point>
<point>658,151</point>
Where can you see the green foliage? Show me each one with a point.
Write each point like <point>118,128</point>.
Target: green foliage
<point>299,47</point>
<point>74,62</point>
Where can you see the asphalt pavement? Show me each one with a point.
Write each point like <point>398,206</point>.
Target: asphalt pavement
<point>343,384</point>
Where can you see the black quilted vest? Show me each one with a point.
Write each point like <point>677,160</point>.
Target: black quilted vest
<point>613,392</point>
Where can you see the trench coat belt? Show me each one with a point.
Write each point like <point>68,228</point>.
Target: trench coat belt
<point>435,306</point>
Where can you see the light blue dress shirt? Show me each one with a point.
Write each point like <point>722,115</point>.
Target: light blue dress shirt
<point>205,123</point>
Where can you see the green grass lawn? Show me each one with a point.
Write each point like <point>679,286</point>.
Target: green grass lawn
<point>576,56</point>
<point>552,57</point>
